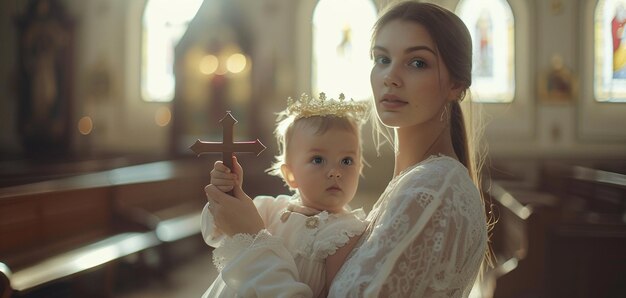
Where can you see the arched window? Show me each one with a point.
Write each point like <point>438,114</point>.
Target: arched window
<point>341,43</point>
<point>491,26</point>
<point>610,51</point>
<point>164,23</point>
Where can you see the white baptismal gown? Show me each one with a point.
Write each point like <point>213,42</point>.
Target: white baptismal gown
<point>427,238</point>
<point>308,239</point>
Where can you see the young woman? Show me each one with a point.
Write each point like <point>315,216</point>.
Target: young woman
<point>427,233</point>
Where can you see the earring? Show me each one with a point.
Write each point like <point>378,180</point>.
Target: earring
<point>462,95</point>
<point>444,113</point>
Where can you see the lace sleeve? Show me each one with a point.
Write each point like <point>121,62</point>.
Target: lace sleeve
<point>210,234</point>
<point>261,266</point>
<point>426,242</point>
<point>338,232</point>
<point>265,205</point>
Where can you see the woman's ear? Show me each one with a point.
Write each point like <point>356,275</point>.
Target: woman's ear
<point>456,91</point>
<point>288,175</point>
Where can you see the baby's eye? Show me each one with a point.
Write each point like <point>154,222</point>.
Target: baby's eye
<point>380,59</point>
<point>347,161</point>
<point>317,160</point>
<point>417,63</point>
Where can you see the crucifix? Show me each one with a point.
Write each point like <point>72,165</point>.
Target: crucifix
<point>228,147</point>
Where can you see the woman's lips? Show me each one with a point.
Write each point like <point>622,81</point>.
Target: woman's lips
<point>392,102</point>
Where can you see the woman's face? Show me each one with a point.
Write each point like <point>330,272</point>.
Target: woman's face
<point>409,80</point>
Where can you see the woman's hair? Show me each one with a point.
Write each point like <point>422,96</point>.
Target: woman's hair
<point>454,44</point>
<point>287,125</point>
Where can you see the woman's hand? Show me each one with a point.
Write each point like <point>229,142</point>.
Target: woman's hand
<point>233,215</point>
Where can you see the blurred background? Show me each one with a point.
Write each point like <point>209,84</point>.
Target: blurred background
<point>100,100</point>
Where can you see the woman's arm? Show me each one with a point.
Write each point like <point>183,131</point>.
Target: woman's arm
<point>425,242</point>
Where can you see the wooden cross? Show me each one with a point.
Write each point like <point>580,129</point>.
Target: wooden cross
<point>227,147</point>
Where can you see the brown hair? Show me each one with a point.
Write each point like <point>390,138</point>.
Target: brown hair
<point>454,44</point>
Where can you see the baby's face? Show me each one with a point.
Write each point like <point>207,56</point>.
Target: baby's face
<point>325,167</point>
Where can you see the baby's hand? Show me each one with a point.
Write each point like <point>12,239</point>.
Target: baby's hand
<point>223,178</point>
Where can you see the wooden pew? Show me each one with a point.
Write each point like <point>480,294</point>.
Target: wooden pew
<point>585,251</point>
<point>590,195</point>
<point>517,240</point>
<point>571,244</point>
<point>586,260</point>
<point>20,172</point>
<point>56,229</point>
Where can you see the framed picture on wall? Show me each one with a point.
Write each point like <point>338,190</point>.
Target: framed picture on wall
<point>557,83</point>
<point>45,64</point>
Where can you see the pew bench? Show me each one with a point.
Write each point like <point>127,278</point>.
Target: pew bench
<point>56,230</point>
<point>590,195</point>
<point>90,256</point>
<point>585,250</point>
<point>517,239</point>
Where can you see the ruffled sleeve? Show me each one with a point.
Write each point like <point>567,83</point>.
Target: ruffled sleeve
<point>266,206</point>
<point>338,231</point>
<point>428,240</point>
<point>211,236</point>
<point>261,266</point>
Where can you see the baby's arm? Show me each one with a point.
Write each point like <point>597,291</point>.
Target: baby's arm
<point>336,260</point>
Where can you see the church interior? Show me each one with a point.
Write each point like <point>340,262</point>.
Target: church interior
<point>100,101</point>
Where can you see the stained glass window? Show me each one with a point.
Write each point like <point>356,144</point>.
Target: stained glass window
<point>341,44</point>
<point>164,23</point>
<point>610,51</point>
<point>491,26</point>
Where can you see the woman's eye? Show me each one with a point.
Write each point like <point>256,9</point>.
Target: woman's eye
<point>418,63</point>
<point>317,160</point>
<point>347,161</point>
<point>381,60</point>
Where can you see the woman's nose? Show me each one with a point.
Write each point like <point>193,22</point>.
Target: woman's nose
<point>391,79</point>
<point>334,173</point>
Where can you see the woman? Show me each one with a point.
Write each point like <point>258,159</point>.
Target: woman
<point>427,235</point>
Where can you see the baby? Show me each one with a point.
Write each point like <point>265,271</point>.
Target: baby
<point>320,159</point>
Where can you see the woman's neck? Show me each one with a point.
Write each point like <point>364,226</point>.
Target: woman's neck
<point>417,143</point>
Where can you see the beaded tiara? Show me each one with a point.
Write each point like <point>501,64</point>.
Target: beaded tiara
<point>310,106</point>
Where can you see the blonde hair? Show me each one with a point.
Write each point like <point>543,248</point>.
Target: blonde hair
<point>287,124</point>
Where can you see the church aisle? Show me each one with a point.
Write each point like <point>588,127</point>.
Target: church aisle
<point>189,279</point>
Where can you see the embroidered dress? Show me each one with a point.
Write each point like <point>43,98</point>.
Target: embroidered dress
<point>427,238</point>
<point>307,239</point>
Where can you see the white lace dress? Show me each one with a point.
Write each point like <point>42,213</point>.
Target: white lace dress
<point>307,239</point>
<point>427,238</point>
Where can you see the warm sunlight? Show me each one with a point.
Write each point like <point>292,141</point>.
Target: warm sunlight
<point>341,42</point>
<point>164,23</point>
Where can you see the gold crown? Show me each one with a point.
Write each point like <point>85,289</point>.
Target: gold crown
<point>310,106</point>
